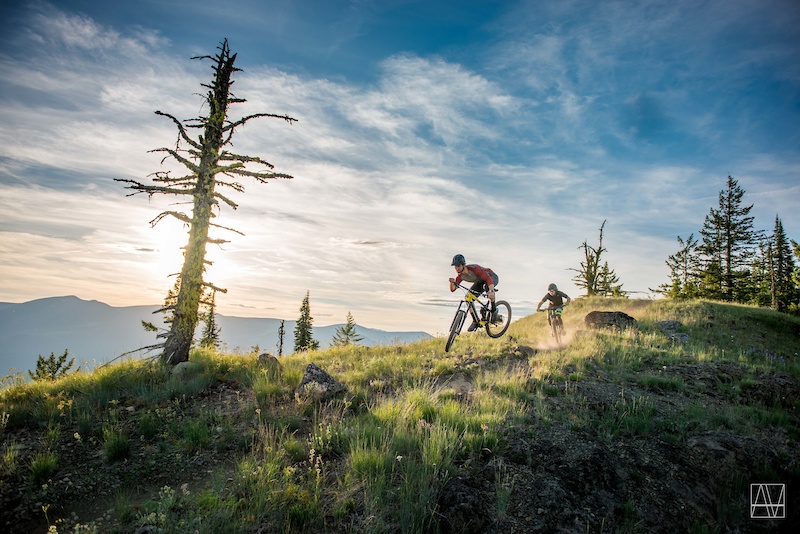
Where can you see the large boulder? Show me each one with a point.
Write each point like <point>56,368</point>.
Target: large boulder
<point>617,320</point>
<point>271,364</point>
<point>187,369</point>
<point>318,384</point>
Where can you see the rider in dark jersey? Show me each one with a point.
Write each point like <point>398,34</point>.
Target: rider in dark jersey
<point>556,299</point>
<point>482,278</point>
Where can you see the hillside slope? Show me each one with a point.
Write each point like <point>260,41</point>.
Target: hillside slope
<point>95,333</point>
<point>618,431</point>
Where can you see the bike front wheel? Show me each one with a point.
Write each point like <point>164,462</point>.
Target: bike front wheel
<point>455,328</point>
<point>557,329</point>
<point>499,327</point>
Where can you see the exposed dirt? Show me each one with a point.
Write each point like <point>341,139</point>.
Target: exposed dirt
<point>563,476</point>
<point>561,473</point>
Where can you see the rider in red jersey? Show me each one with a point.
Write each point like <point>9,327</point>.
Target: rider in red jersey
<point>482,278</point>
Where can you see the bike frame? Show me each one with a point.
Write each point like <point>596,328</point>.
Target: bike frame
<point>552,312</point>
<point>470,298</point>
<point>556,322</point>
<point>484,319</point>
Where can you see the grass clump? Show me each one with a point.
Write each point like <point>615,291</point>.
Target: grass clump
<point>42,466</point>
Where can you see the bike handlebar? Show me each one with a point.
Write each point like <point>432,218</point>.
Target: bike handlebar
<point>552,308</point>
<point>473,292</point>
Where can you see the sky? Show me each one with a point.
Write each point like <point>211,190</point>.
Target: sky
<point>507,131</point>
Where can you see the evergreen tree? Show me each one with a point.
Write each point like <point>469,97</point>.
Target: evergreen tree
<point>729,243</point>
<point>796,275</point>
<point>346,335</point>
<point>211,330</point>
<point>281,333</point>
<point>595,278</point>
<point>761,275</point>
<point>205,159</point>
<point>607,285</point>
<point>51,368</point>
<point>783,289</point>
<point>303,330</point>
<point>684,266</point>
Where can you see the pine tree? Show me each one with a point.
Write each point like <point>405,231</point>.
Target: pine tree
<point>783,290</point>
<point>205,159</point>
<point>51,368</point>
<point>796,274</point>
<point>303,330</point>
<point>729,243</point>
<point>761,275</point>
<point>281,333</point>
<point>595,278</point>
<point>346,335</point>
<point>683,266</point>
<point>211,331</point>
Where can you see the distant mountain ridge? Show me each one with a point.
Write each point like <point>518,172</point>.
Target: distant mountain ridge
<point>95,332</point>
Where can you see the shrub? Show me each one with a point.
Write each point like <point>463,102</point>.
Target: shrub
<point>115,445</point>
<point>51,368</point>
<point>42,466</point>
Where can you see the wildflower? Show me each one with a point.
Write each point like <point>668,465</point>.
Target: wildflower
<point>77,436</point>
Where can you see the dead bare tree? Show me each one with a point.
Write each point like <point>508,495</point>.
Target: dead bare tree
<point>205,158</point>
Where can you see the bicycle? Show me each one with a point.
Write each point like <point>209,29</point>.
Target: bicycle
<point>495,326</point>
<point>556,322</point>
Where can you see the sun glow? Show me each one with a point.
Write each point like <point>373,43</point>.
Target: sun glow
<point>168,240</point>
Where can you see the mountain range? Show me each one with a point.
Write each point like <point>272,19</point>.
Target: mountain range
<point>95,333</point>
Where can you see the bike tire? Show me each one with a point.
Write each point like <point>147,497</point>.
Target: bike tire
<point>556,326</point>
<point>504,314</point>
<point>455,328</point>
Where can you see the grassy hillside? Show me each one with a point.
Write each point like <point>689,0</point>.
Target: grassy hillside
<point>616,432</point>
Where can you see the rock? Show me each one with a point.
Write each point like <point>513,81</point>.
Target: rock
<point>318,384</point>
<point>186,368</point>
<point>616,319</point>
<point>669,327</point>
<point>678,337</point>
<point>271,364</point>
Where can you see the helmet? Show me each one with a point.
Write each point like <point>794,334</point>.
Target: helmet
<point>458,259</point>
<point>552,287</point>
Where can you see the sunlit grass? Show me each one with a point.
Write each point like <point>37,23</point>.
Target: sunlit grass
<point>410,416</point>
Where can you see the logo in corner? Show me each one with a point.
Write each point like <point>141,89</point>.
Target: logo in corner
<point>767,501</point>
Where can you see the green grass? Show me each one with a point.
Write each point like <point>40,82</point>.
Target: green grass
<point>383,450</point>
<point>42,466</point>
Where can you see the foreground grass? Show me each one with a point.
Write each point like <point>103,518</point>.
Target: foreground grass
<point>376,458</point>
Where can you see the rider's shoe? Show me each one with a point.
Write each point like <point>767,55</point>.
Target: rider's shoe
<point>496,317</point>
<point>472,327</point>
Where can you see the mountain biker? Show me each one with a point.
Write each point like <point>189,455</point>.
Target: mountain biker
<point>556,299</point>
<point>482,278</point>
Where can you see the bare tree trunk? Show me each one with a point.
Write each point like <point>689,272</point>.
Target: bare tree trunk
<point>200,183</point>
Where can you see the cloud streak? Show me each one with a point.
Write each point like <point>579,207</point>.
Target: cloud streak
<point>513,157</point>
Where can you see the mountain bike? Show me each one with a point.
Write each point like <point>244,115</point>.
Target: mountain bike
<point>495,326</point>
<point>556,322</point>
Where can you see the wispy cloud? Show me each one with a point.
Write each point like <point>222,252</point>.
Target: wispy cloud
<point>513,158</point>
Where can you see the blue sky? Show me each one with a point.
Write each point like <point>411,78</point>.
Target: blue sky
<point>506,131</point>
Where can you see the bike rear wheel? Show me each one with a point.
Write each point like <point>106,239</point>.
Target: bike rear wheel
<point>455,328</point>
<point>499,327</point>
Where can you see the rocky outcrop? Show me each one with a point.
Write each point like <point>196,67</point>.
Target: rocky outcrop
<point>616,320</point>
<point>318,384</point>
